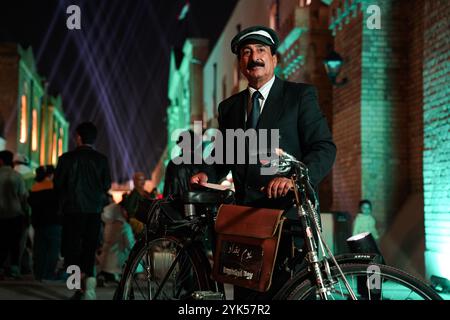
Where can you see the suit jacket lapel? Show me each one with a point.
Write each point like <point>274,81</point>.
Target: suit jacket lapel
<point>240,110</point>
<point>273,106</point>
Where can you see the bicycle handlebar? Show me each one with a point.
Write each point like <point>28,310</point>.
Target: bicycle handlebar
<point>286,163</point>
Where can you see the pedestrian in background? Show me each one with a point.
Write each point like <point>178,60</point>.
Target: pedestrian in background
<point>14,211</point>
<point>365,221</point>
<point>118,240</point>
<point>46,221</point>
<point>82,180</point>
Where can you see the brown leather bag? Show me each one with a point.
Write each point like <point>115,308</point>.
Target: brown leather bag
<point>247,244</point>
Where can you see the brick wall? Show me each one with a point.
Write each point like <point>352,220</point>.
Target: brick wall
<point>383,121</point>
<point>404,243</point>
<point>414,95</point>
<point>436,121</point>
<point>407,230</point>
<point>346,115</point>
<point>313,45</point>
<point>391,125</point>
<point>321,41</point>
<point>370,124</point>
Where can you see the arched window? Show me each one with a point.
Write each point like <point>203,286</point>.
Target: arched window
<point>60,142</point>
<point>34,130</point>
<point>23,120</point>
<point>54,145</point>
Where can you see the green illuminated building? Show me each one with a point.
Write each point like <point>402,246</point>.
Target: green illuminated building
<point>34,125</point>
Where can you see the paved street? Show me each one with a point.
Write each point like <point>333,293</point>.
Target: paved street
<point>29,289</point>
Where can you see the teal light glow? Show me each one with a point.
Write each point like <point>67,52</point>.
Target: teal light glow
<point>380,158</point>
<point>293,36</point>
<point>344,14</point>
<point>436,156</point>
<point>437,264</point>
<point>184,12</point>
<point>294,65</point>
<point>334,64</point>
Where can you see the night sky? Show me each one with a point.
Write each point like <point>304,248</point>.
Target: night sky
<point>114,71</point>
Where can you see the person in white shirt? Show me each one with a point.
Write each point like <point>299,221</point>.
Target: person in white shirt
<point>118,240</point>
<point>365,221</point>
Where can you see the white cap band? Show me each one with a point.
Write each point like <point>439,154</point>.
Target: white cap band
<point>260,32</point>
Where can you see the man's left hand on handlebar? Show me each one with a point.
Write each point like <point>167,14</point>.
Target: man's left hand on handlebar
<point>278,187</point>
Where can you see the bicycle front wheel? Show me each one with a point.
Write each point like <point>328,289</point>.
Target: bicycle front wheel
<point>163,269</point>
<point>368,282</point>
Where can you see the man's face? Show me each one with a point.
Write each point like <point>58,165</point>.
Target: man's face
<point>257,63</point>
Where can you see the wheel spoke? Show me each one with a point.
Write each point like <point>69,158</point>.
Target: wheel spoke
<point>139,288</point>
<point>395,285</point>
<point>160,270</point>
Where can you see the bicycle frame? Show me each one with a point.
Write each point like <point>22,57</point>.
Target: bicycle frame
<point>309,220</point>
<point>307,212</point>
<point>313,275</point>
<point>197,227</point>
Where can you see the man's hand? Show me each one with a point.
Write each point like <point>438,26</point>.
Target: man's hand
<point>199,178</point>
<point>278,187</point>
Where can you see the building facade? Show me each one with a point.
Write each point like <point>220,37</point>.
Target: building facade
<point>185,89</point>
<point>33,125</point>
<point>185,93</point>
<point>390,124</point>
<point>54,131</point>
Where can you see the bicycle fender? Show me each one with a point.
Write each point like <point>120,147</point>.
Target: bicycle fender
<point>362,258</point>
<point>346,258</point>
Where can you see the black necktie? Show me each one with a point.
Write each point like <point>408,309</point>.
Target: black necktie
<point>252,119</point>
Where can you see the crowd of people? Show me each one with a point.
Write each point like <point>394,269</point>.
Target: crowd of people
<point>66,216</point>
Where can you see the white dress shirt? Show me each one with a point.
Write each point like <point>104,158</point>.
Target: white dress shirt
<point>264,90</point>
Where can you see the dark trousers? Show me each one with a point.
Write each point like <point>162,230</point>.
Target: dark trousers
<point>46,249</point>
<point>25,251</point>
<point>10,234</point>
<point>80,240</point>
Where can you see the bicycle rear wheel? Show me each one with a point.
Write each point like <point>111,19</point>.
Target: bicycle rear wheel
<point>162,269</point>
<point>380,282</point>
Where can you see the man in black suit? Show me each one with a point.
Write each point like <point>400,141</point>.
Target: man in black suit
<point>291,108</point>
<point>82,180</point>
<point>271,103</point>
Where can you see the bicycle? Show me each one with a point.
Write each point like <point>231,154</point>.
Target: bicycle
<point>170,261</point>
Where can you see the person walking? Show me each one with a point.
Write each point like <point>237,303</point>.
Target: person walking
<point>82,180</point>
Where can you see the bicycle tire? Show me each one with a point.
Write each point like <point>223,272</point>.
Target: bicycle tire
<point>394,285</point>
<point>147,264</point>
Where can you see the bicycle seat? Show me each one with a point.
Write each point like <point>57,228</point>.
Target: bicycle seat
<point>208,197</point>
